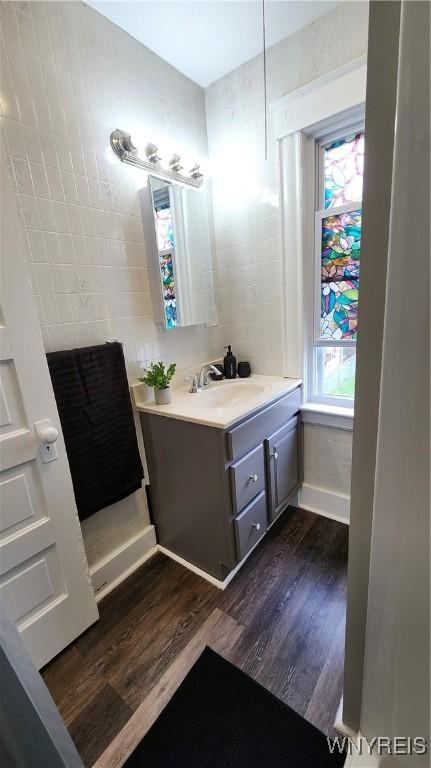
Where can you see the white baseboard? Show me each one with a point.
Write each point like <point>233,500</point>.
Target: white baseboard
<point>341,726</point>
<point>333,505</point>
<point>109,572</point>
<point>207,576</point>
<point>364,760</point>
<point>354,760</point>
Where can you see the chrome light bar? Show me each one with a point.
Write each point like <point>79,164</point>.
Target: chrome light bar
<point>124,148</point>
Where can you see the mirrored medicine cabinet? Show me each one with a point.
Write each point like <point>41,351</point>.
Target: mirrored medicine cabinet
<point>179,252</point>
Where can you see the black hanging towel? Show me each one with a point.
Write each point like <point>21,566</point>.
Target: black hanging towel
<point>92,394</point>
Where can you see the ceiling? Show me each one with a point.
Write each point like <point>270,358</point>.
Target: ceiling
<point>205,40</point>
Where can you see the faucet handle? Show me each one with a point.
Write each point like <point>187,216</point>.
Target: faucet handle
<point>194,383</point>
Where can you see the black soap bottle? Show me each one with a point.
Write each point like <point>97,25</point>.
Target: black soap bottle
<point>229,364</point>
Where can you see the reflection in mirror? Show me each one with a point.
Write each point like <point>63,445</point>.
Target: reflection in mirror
<point>162,208</point>
<point>176,226</point>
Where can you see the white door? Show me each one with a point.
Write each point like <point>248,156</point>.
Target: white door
<point>45,585</point>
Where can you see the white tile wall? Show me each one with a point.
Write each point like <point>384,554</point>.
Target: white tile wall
<point>68,78</point>
<point>109,528</point>
<point>245,186</point>
<point>327,458</point>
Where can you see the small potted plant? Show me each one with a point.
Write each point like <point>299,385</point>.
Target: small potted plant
<point>159,377</point>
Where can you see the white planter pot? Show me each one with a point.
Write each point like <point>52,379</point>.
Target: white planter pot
<point>163,396</point>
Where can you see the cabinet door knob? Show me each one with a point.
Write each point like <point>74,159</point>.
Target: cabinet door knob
<point>253,478</point>
<point>274,455</point>
<point>257,526</point>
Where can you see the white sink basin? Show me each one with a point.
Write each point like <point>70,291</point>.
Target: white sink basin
<point>223,403</point>
<point>230,395</point>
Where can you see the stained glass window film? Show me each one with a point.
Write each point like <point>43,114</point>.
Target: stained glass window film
<point>340,255</point>
<point>343,171</point>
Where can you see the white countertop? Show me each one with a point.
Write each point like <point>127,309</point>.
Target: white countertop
<point>221,404</point>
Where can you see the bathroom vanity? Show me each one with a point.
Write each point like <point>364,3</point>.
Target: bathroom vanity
<point>224,464</point>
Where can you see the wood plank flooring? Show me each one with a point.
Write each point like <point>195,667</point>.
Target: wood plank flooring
<point>281,620</point>
<point>221,633</point>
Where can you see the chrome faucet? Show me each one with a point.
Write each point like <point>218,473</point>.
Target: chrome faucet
<point>203,375</point>
<point>201,378</point>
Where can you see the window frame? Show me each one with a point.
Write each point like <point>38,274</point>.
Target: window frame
<point>316,345</point>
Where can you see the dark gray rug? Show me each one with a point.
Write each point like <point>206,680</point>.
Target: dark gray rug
<point>221,718</point>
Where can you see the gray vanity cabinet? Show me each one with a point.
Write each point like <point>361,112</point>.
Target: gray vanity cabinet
<point>215,492</point>
<point>282,456</point>
<point>190,492</point>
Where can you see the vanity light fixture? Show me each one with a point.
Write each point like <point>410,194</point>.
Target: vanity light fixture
<point>195,172</point>
<point>122,145</point>
<point>174,164</point>
<point>151,153</point>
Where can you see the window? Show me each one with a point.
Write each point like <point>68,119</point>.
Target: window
<point>338,221</point>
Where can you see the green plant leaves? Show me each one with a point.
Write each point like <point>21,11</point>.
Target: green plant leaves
<point>157,376</point>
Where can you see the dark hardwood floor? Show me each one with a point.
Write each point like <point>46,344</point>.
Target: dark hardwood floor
<point>289,600</point>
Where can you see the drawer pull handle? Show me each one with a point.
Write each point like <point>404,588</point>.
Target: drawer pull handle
<point>274,455</point>
<point>253,478</point>
<point>257,526</point>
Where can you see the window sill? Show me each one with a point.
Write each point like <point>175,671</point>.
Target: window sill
<point>327,415</point>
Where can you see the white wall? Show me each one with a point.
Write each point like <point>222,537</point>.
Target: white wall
<point>328,458</point>
<point>247,216</point>
<point>245,186</point>
<point>382,76</point>
<point>68,78</point>
<point>396,691</point>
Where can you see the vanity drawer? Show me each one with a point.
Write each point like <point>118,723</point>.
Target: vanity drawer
<point>255,430</point>
<point>250,525</point>
<point>247,478</point>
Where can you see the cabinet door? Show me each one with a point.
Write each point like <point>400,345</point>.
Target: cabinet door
<point>250,525</point>
<point>247,478</point>
<point>282,455</point>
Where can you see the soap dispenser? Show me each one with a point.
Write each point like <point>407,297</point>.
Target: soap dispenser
<point>229,364</point>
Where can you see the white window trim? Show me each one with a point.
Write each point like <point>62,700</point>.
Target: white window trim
<point>330,103</point>
<point>307,108</point>
<point>328,415</point>
<point>318,398</point>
